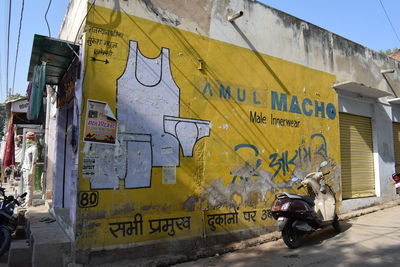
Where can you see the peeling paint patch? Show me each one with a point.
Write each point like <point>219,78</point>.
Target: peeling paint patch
<point>224,126</point>
<point>251,191</point>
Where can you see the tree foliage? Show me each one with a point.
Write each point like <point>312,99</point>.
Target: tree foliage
<point>3,118</point>
<point>390,51</point>
<point>15,96</point>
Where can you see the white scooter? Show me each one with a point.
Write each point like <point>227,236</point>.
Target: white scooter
<point>298,215</point>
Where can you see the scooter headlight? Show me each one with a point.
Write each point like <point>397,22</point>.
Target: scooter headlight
<point>285,206</point>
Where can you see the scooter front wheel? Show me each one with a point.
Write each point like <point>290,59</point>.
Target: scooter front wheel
<point>292,237</point>
<point>336,224</point>
<point>5,239</point>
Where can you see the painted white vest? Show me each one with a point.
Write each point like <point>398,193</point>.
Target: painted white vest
<point>146,92</point>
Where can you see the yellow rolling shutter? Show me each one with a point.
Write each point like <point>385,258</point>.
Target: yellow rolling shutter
<point>356,150</point>
<point>396,143</point>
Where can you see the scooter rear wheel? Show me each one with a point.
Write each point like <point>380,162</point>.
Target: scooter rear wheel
<point>292,237</point>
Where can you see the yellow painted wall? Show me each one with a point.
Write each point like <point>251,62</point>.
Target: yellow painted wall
<point>237,168</point>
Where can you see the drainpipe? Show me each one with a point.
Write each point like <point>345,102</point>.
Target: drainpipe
<point>232,17</point>
<point>49,89</point>
<point>384,72</point>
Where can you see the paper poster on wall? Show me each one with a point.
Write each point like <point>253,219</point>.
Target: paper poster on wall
<point>169,175</point>
<point>100,123</point>
<point>89,166</point>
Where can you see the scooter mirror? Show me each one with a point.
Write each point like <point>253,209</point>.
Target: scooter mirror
<point>294,179</point>
<point>323,164</point>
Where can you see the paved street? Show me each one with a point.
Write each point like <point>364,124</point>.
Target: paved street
<point>369,240</point>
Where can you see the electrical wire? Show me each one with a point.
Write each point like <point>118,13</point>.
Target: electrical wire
<point>16,53</point>
<point>45,17</point>
<point>8,47</point>
<point>80,26</point>
<point>390,22</point>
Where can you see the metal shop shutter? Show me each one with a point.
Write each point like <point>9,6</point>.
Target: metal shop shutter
<point>396,144</point>
<point>356,150</point>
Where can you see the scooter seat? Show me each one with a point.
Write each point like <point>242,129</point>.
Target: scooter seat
<point>307,199</point>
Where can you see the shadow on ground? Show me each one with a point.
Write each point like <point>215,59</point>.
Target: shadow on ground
<point>320,236</point>
<point>322,248</point>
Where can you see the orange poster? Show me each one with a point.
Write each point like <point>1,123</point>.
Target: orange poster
<point>100,123</point>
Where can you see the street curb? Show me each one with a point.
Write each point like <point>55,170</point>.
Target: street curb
<point>276,235</point>
<point>364,211</point>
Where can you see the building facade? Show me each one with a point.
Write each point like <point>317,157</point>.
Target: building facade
<point>186,119</point>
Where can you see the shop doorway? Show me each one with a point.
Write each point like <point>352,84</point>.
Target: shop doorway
<point>357,161</point>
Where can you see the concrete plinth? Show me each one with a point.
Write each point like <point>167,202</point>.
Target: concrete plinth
<point>49,242</point>
<point>20,254</point>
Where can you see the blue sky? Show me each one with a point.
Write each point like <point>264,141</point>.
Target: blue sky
<point>362,21</point>
<point>33,22</point>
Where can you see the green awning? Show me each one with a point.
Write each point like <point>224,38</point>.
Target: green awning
<point>57,53</point>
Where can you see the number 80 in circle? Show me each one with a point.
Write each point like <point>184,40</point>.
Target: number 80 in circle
<point>88,199</point>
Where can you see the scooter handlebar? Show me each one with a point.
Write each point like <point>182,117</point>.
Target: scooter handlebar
<point>300,186</point>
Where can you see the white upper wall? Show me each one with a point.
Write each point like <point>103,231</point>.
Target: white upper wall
<point>74,16</point>
<point>262,28</point>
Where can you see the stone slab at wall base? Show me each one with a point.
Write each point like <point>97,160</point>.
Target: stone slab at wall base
<point>48,242</point>
<point>368,210</point>
<point>20,254</point>
<point>165,252</point>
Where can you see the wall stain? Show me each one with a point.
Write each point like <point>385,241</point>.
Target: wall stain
<point>190,203</point>
<point>90,225</point>
<point>126,208</point>
<point>163,208</point>
<point>161,13</point>
<point>196,14</point>
<point>93,214</point>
